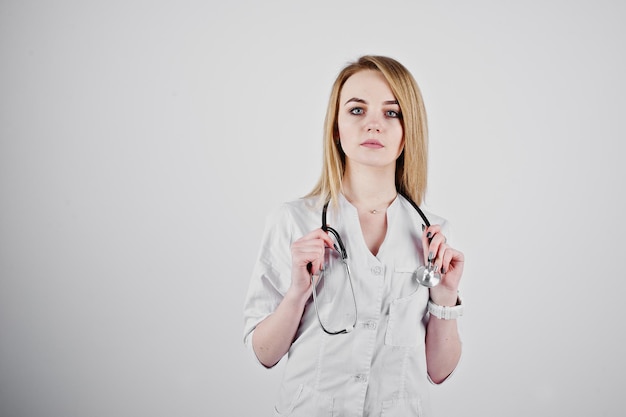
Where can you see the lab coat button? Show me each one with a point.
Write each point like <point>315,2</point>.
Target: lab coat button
<point>361,378</point>
<point>377,270</point>
<point>370,324</point>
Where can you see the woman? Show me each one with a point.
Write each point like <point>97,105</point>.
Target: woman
<point>389,336</point>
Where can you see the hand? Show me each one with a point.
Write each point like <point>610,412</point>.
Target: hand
<point>447,260</point>
<point>307,256</point>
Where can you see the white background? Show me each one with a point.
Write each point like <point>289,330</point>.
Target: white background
<point>142,144</point>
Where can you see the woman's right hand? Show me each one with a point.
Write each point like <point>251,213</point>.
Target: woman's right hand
<point>273,337</point>
<point>307,258</point>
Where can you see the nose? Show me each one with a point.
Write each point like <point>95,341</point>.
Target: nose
<point>373,124</point>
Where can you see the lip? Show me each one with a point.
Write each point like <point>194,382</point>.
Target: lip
<point>372,143</point>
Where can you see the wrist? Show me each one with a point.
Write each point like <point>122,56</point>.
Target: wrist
<point>443,297</point>
<point>297,296</point>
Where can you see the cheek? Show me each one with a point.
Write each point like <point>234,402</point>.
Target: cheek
<point>400,136</point>
<point>344,127</point>
<point>398,133</point>
<point>400,148</point>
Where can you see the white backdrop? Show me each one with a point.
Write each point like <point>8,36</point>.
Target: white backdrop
<point>142,144</point>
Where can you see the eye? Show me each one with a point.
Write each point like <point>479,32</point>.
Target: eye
<point>393,114</point>
<point>357,111</point>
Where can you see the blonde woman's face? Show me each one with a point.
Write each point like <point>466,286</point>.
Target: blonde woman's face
<point>369,121</point>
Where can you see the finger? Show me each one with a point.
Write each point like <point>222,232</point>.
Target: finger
<point>308,253</point>
<point>432,239</point>
<point>311,252</point>
<point>317,266</point>
<point>444,258</point>
<point>431,230</point>
<point>319,234</point>
<point>314,274</point>
<point>315,239</point>
<point>452,258</point>
<point>438,257</point>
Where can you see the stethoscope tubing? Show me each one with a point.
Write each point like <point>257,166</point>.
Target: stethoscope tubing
<point>344,256</point>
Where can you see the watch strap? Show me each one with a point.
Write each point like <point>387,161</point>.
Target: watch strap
<point>445,312</point>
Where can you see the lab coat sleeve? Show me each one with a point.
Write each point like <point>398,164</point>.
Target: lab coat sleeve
<point>271,275</point>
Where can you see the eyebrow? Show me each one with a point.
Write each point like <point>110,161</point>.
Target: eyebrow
<point>360,100</point>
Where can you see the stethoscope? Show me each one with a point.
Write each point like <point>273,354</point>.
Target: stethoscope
<point>425,275</point>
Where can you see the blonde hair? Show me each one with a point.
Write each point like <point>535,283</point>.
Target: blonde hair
<point>412,164</point>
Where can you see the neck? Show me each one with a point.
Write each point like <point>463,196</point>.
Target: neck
<point>369,190</point>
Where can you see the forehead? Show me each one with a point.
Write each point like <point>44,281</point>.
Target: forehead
<point>367,84</point>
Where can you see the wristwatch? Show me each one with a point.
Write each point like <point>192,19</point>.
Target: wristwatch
<point>445,312</point>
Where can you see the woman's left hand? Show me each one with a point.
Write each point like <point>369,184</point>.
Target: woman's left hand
<point>448,261</point>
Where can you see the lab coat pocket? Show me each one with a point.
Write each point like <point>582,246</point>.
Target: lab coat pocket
<point>306,403</point>
<point>402,407</point>
<point>405,327</point>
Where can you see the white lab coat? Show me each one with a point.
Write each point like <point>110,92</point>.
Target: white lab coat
<point>378,369</point>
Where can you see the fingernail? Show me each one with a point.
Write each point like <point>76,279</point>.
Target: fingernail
<point>423,228</point>
<point>443,270</point>
<point>428,235</point>
<point>430,256</point>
